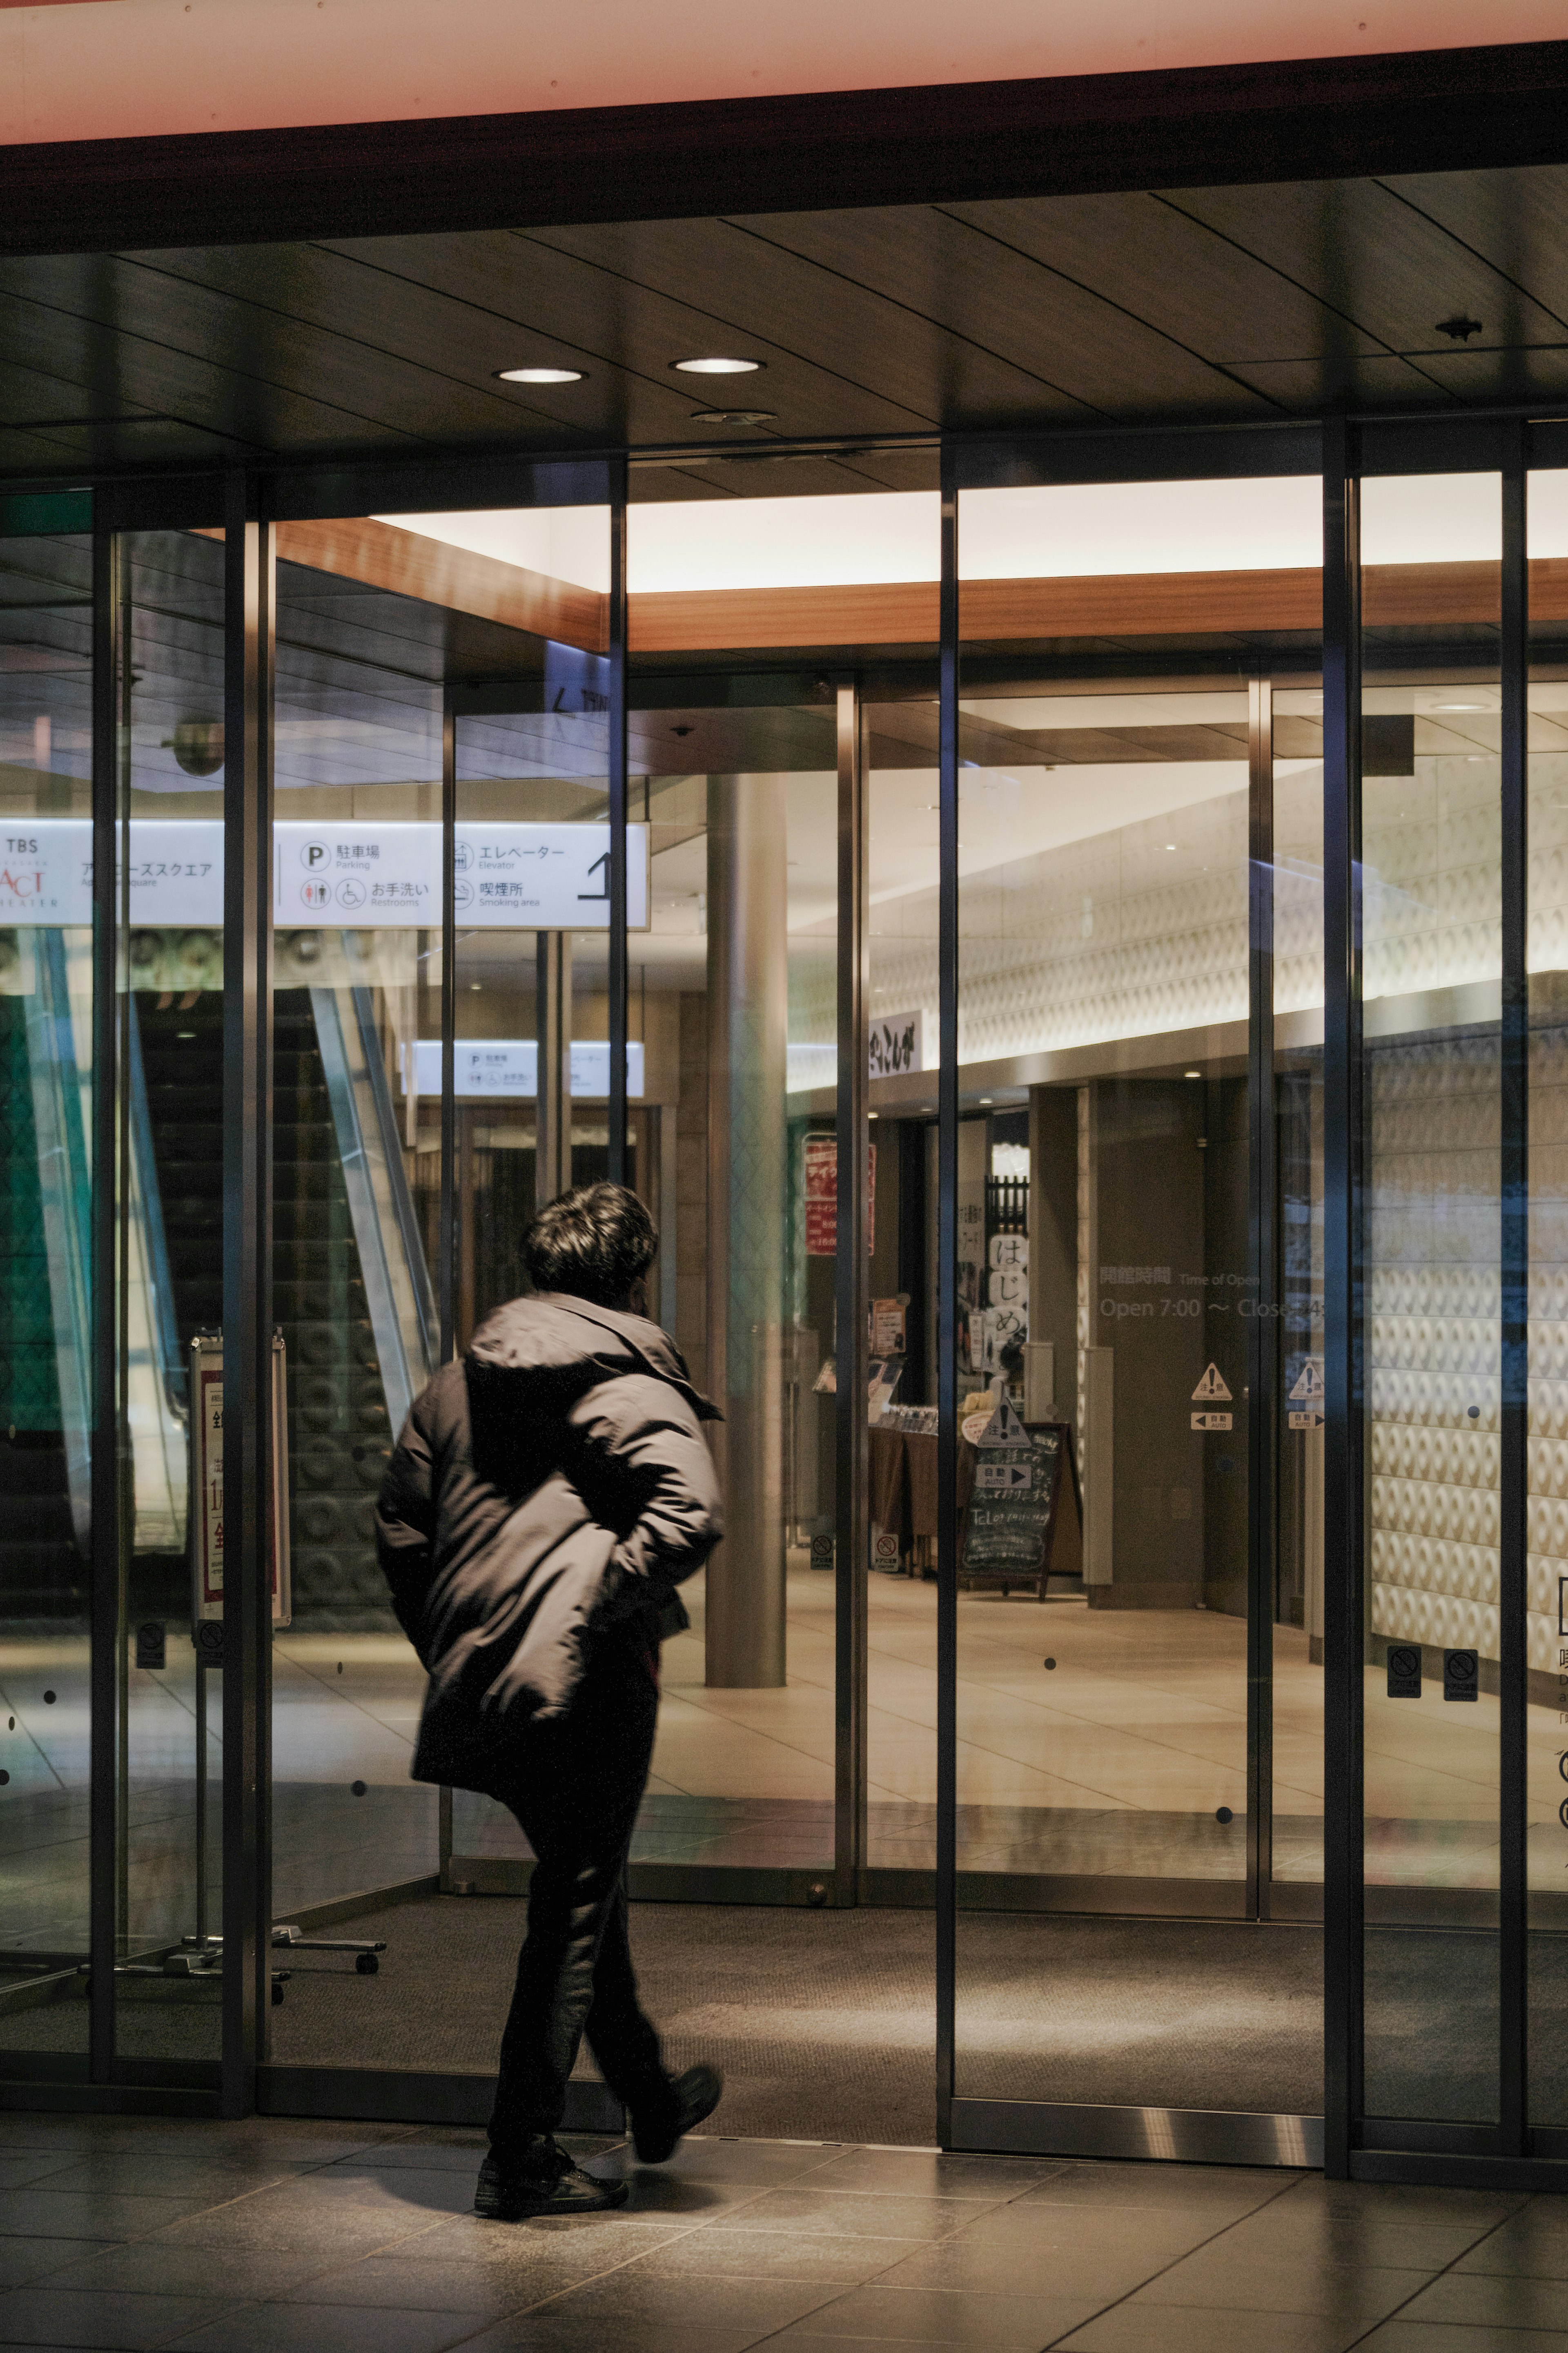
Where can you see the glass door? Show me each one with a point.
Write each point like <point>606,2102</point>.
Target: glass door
<point>1138,1693</point>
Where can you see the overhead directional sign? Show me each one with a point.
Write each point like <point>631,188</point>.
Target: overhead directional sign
<point>362,875</point>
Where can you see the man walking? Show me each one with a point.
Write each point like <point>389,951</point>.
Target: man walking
<point>544,1500</point>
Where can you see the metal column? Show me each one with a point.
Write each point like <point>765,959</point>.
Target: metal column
<point>1263,1340</point>
<point>1513,1468</point>
<point>947,1317</point>
<point>1344,1492</point>
<point>852,1349</point>
<point>111,682</point>
<point>247,1289</point>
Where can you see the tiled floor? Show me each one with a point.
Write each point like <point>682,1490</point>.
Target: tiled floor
<point>276,2236</point>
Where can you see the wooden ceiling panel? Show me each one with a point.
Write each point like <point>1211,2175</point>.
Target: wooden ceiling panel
<point>632,333</point>
<point>1173,272</point>
<point>320,321</point>
<point>275,354</point>
<point>1064,334</point>
<point>858,335</point>
<point>1517,221</point>
<point>110,330</point>
<point>1389,268</point>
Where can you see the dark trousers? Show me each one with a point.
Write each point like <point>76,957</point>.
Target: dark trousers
<point>575,1790</point>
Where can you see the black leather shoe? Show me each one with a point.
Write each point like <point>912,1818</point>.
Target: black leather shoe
<point>545,2182</point>
<point>657,2128</point>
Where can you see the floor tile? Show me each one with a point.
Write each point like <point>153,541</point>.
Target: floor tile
<point>939,2317</point>
<point>327,2328</point>
<point>718,2159</point>
<point>1127,2329</point>
<point>775,2255</point>
<point>702,2302</point>
<point>456,2286</point>
<point>1102,2273</point>
<point>552,2331</point>
<point>1225,2191</point>
<point>1430,2336</point>
<point>79,2316</point>
<point>21,2165</point>
<point>1479,2300</point>
<point>156,2174</point>
<point>860,2215</point>
<point>924,2174</point>
<point>1216,2279</point>
<point>22,2259</point>
<point>580,2246</point>
<point>254,2224</point>
<point>155,2267</point>
<point>53,2214</point>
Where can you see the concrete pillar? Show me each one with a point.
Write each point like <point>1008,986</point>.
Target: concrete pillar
<point>748,1028</point>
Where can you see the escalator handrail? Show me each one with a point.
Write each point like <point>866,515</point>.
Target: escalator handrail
<point>170,1359</point>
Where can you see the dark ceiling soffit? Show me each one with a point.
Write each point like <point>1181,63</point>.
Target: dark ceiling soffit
<point>1319,119</point>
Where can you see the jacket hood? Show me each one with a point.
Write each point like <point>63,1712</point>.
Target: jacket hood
<point>560,1346</point>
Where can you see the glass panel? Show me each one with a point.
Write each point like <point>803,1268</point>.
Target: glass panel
<point>1431,913</point>
<point>46,1098</point>
<point>1107,1298</point>
<point>362,677</point>
<point>1547,1640</point>
<point>904,784</point>
<point>356,982</point>
<point>170,1233</point>
<point>735,985</point>
<point>1297,884</point>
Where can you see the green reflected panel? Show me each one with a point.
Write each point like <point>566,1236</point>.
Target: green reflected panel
<point>1431,1113</point>
<point>169,1236</point>
<point>46,1187</point>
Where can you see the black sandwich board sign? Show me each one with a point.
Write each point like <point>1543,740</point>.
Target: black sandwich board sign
<point>1017,1501</point>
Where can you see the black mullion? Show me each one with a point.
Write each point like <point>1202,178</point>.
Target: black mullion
<point>947,1312</point>
<point>851,1444</point>
<point>1344,1643</point>
<point>1513,1480</point>
<point>1263,1340</point>
<point>616,1163</point>
<point>110,667</point>
<point>247,1338</point>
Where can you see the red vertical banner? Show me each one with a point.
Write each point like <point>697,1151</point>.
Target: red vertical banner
<point>819,1185</point>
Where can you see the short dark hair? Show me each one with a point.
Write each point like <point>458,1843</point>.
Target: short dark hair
<point>594,1242</point>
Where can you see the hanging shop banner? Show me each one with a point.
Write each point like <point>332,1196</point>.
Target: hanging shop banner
<point>819,1189</point>
<point>505,1070</point>
<point>205,1528</point>
<point>896,1044</point>
<point>359,875</point>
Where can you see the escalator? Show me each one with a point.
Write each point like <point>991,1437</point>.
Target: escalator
<point>348,1296</point>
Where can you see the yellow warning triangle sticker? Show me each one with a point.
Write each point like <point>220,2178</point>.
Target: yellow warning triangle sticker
<point>1308,1389</point>
<point>1211,1389</point>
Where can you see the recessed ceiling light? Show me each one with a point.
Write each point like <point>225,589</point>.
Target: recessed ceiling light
<point>734,415</point>
<point>1191,1074</point>
<point>716,366</point>
<point>1170,845</point>
<point>987,1098</point>
<point>540,375</point>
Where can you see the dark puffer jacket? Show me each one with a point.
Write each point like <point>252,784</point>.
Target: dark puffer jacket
<point>547,1493</point>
